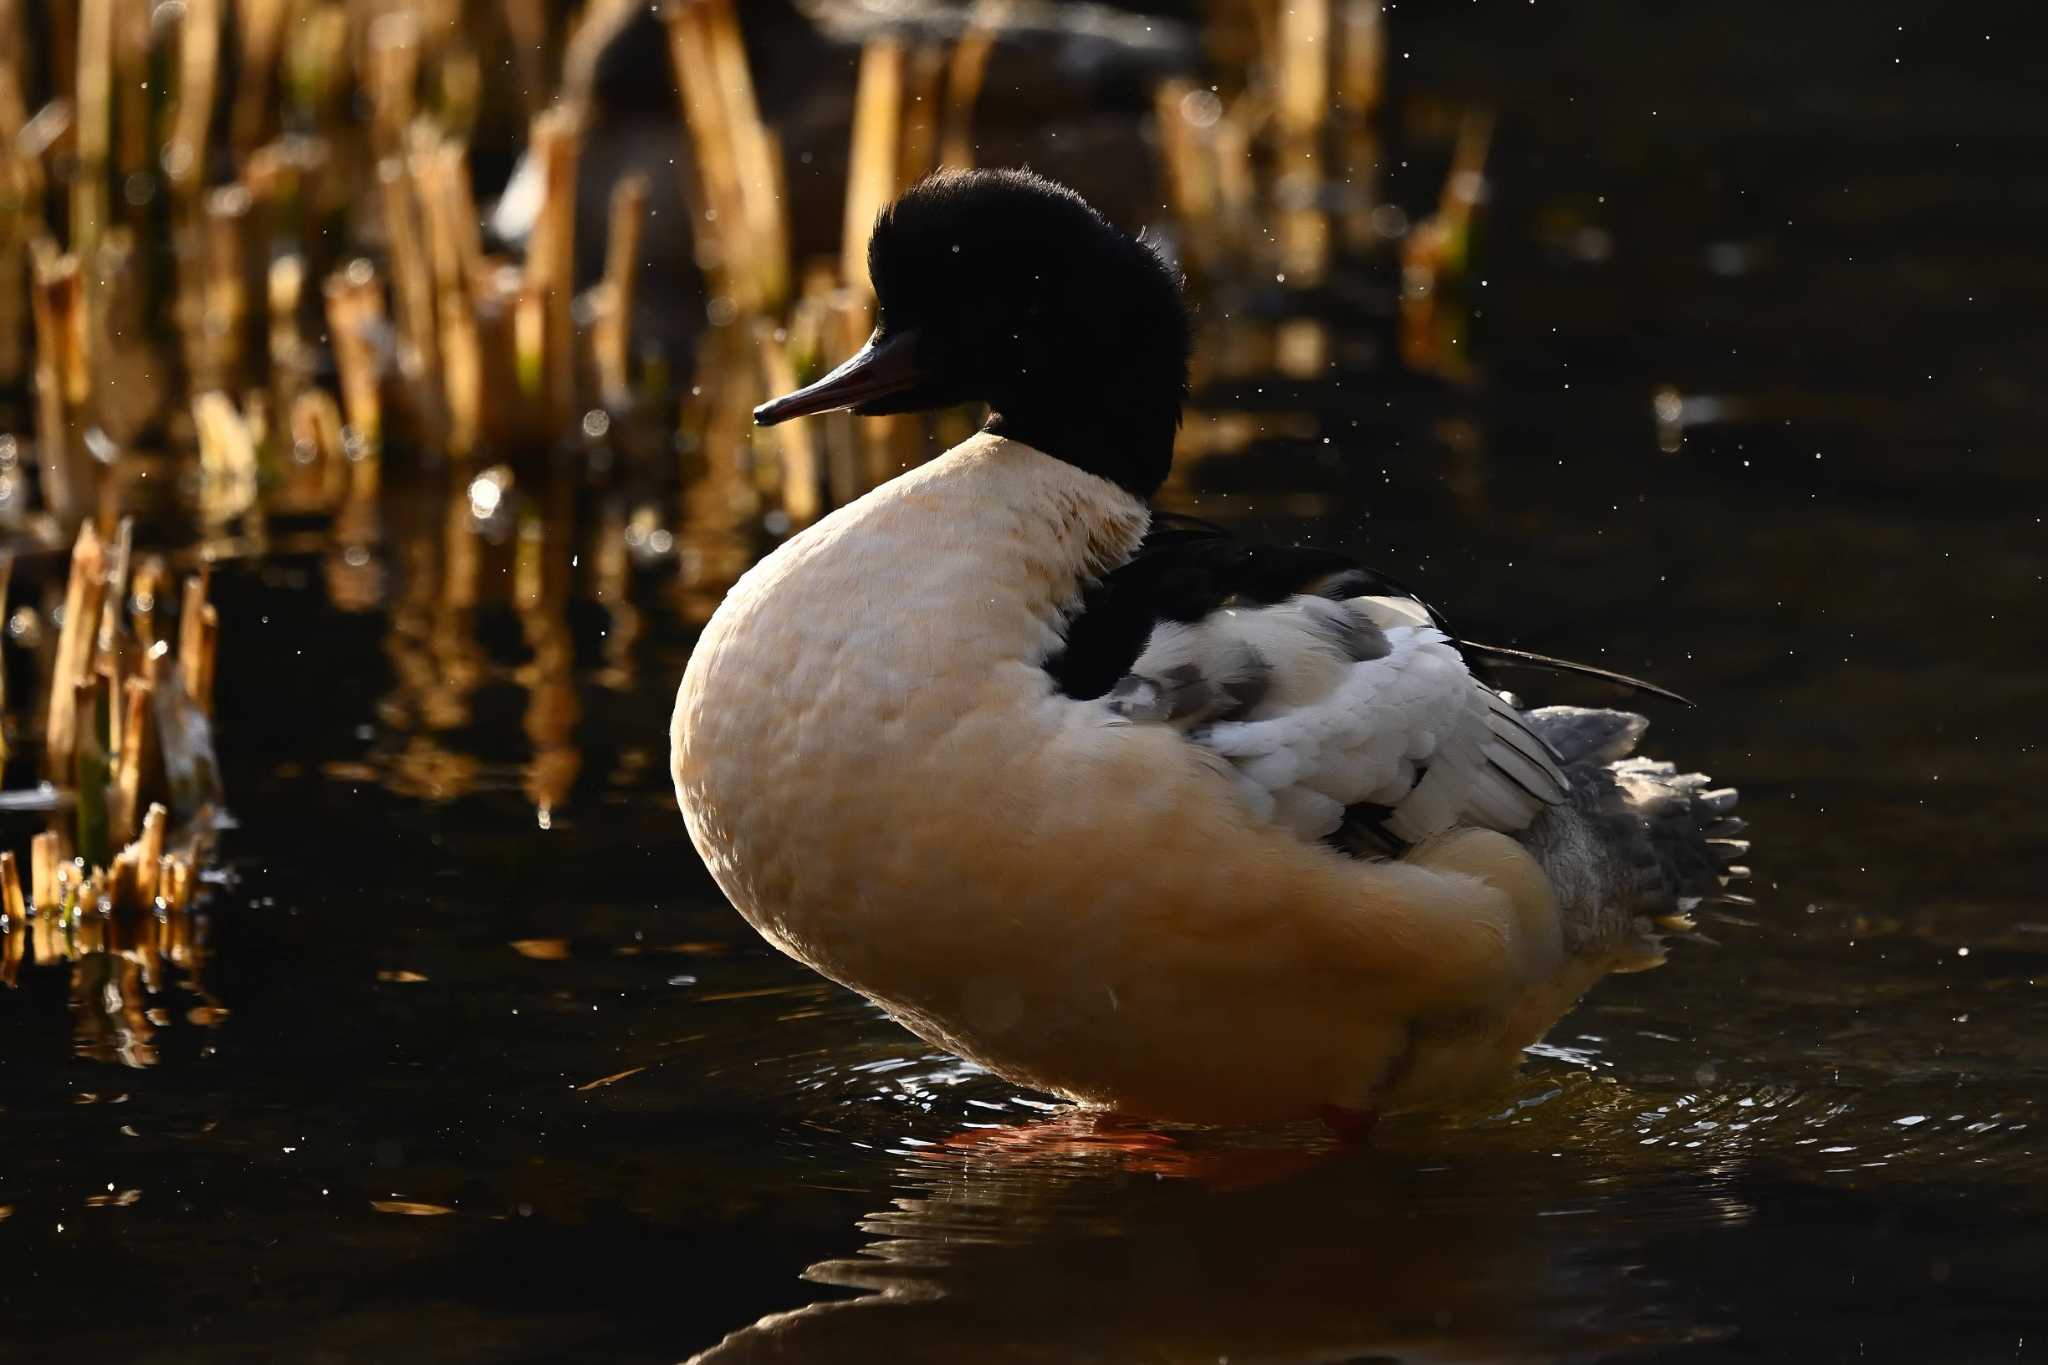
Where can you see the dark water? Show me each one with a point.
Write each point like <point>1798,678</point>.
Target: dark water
<point>487,1091</point>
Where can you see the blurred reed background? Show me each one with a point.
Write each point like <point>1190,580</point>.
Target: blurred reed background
<point>473,300</point>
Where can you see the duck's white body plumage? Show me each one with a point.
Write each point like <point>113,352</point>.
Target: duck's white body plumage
<point>1092,897</point>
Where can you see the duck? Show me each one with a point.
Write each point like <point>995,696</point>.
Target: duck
<point>1067,86</point>
<point>1114,805</point>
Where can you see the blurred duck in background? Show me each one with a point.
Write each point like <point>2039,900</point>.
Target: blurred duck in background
<point>1063,88</point>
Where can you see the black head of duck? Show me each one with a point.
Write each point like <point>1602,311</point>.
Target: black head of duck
<point>1002,287</point>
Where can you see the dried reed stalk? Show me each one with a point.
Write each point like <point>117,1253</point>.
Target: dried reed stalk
<point>442,181</point>
<point>1464,186</point>
<point>46,893</point>
<point>199,41</point>
<point>134,102</point>
<point>230,236</point>
<point>965,74</point>
<point>91,766</point>
<point>253,118</point>
<point>1187,160</point>
<point>198,632</point>
<point>1237,183</point>
<point>132,927</point>
<point>527,22</point>
<point>227,459</point>
<point>93,111</point>
<point>794,440</point>
<point>109,669</point>
<point>126,375</point>
<point>74,650</point>
<point>546,324</point>
<point>918,155</point>
<point>1302,232</point>
<point>391,77</point>
<point>63,381</point>
<point>14,923</point>
<point>145,593</point>
<point>291,361</point>
<point>6,581</point>
<point>150,851</point>
<point>495,297</point>
<point>871,162</point>
<point>720,212</point>
<point>868,440</point>
<point>458,250</point>
<point>355,311</point>
<point>611,334</point>
<point>757,160</point>
<point>135,753</point>
<point>1361,57</point>
<point>412,274</point>
<point>1301,62</point>
<point>316,436</point>
<point>15,58</point>
<point>316,60</point>
<point>721,507</point>
<point>21,190</point>
<point>113,596</point>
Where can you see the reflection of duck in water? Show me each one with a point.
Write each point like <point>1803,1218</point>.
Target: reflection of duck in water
<point>1071,1261</point>
<point>1110,804</point>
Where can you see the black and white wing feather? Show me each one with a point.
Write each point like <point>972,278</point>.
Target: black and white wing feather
<point>1349,711</point>
<point>1340,701</point>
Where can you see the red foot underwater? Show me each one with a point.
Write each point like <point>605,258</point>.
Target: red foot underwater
<point>1352,1127</point>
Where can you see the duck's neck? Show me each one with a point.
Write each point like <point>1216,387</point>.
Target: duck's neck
<point>1008,535</point>
<point>1115,433</point>
<point>959,565</point>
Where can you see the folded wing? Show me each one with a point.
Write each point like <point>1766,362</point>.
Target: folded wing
<point>1354,720</point>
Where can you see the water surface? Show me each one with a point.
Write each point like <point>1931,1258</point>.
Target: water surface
<point>455,1086</point>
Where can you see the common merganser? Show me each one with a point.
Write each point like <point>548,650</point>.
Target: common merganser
<point>1110,804</point>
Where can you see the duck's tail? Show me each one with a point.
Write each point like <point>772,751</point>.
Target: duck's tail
<point>1638,846</point>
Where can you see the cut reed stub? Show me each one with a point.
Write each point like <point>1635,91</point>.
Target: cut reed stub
<point>546,329</point>
<point>227,460</point>
<point>14,924</point>
<point>138,765</point>
<point>92,768</point>
<point>872,162</point>
<point>355,317</point>
<point>6,581</point>
<point>611,332</point>
<point>74,649</point>
<point>795,442</point>
<point>63,380</point>
<point>741,224</point>
<point>198,70</point>
<point>317,459</point>
<point>198,634</point>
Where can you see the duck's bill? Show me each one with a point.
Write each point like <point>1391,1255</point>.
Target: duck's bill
<point>882,367</point>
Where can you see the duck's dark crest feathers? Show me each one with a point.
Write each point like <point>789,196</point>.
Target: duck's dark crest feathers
<point>1074,332</point>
